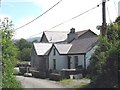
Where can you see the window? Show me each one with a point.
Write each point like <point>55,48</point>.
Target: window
<point>76,61</point>
<point>54,63</point>
<point>54,53</point>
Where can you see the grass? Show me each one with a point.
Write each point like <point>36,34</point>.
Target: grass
<point>72,82</point>
<point>81,85</point>
<point>67,81</point>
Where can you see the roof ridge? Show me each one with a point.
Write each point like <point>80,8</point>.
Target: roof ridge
<point>56,31</point>
<point>83,30</point>
<point>42,43</point>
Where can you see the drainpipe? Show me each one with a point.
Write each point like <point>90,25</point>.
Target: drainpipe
<point>84,71</point>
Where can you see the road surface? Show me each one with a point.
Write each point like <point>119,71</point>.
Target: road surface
<point>30,82</point>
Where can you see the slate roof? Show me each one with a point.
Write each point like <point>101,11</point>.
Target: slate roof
<point>42,48</point>
<point>79,33</point>
<point>60,36</point>
<point>56,36</point>
<point>78,46</point>
<point>83,45</point>
<point>63,48</point>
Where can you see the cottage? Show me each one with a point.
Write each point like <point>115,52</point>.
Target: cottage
<point>63,50</point>
<point>72,56</point>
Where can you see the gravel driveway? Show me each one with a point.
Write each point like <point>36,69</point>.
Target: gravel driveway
<point>30,82</point>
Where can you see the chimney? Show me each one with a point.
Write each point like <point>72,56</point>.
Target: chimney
<point>71,35</point>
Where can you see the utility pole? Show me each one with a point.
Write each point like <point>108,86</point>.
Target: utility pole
<point>103,30</point>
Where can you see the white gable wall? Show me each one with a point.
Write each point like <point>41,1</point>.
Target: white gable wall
<point>61,60</point>
<point>89,54</point>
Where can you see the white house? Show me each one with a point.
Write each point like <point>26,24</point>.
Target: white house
<point>63,50</point>
<point>71,56</point>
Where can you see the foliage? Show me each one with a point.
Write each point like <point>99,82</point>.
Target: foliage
<point>22,43</point>
<point>24,49</point>
<point>25,54</point>
<point>103,69</point>
<point>77,83</point>
<point>117,20</point>
<point>67,81</point>
<point>9,53</point>
<point>81,85</point>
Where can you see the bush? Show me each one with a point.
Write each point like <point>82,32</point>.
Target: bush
<point>56,77</point>
<point>22,70</point>
<point>38,74</point>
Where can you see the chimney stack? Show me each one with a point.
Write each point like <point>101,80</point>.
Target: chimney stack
<point>71,35</point>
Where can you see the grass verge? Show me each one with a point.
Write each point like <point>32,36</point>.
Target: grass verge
<point>76,83</point>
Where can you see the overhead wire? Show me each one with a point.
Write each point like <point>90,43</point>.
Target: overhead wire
<point>38,16</point>
<point>74,17</point>
<point>70,19</point>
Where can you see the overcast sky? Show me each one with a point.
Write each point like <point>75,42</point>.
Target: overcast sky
<point>23,11</point>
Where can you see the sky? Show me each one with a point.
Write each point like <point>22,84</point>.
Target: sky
<point>23,11</point>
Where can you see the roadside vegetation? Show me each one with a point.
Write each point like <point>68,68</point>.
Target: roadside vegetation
<point>104,66</point>
<point>24,49</point>
<point>76,83</point>
<point>9,55</point>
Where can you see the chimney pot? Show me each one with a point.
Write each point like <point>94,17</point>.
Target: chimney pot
<point>72,30</point>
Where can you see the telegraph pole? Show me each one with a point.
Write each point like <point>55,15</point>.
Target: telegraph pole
<point>103,30</point>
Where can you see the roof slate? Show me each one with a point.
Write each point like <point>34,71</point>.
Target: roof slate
<point>42,48</point>
<point>56,36</point>
<point>78,46</point>
<point>82,45</point>
<point>63,48</point>
<point>79,33</point>
<point>59,36</point>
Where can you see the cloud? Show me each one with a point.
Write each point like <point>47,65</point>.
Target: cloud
<point>62,12</point>
<point>2,16</point>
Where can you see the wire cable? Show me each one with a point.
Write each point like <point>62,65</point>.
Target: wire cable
<point>69,19</point>
<point>38,16</point>
<point>75,17</point>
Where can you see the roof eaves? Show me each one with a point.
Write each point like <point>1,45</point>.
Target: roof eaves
<point>74,54</point>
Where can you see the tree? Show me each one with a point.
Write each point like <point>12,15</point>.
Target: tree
<point>9,53</point>
<point>104,68</point>
<point>117,20</point>
<point>24,49</point>
<point>22,43</point>
<point>25,54</point>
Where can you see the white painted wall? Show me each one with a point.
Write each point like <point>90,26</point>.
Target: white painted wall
<point>89,54</point>
<point>61,61</point>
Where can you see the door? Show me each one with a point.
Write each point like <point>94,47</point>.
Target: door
<point>69,62</point>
